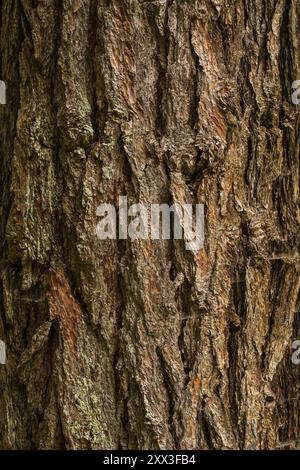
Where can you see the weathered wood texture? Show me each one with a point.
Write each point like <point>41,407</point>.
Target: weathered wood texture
<point>122,344</point>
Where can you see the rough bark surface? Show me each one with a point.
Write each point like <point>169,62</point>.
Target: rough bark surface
<point>142,344</point>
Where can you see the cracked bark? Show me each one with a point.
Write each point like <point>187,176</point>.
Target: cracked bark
<point>122,344</point>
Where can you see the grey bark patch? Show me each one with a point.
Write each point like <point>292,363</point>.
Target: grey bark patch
<point>2,352</point>
<point>2,92</point>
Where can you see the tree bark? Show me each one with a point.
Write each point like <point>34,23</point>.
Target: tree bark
<point>123,344</point>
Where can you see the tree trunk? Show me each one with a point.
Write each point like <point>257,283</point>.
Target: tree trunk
<point>122,344</point>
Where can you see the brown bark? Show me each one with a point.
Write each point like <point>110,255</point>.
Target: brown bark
<point>142,344</point>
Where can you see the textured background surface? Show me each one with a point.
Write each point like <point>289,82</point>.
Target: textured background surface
<point>122,344</point>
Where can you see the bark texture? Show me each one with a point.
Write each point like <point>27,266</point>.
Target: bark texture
<point>142,344</point>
